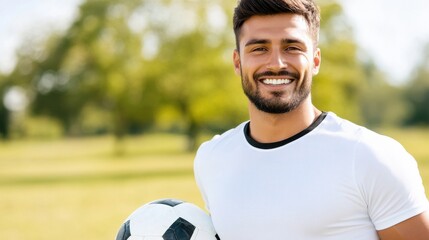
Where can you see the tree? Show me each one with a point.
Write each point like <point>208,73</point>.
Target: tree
<point>198,82</point>
<point>4,112</point>
<point>338,86</point>
<point>417,92</point>
<point>96,64</point>
<point>381,103</point>
<point>201,85</point>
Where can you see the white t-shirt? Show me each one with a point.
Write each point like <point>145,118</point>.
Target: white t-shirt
<point>335,180</point>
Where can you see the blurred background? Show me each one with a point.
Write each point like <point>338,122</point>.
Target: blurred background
<point>104,102</point>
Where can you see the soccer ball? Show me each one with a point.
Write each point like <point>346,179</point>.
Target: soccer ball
<point>168,219</point>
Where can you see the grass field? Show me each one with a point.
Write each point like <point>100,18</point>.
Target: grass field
<point>78,189</point>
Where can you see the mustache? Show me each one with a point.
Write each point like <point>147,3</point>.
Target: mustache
<point>275,74</point>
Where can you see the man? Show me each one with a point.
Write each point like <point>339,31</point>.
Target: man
<point>293,171</point>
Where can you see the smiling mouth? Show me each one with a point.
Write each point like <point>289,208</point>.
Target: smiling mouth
<point>271,78</point>
<point>275,81</point>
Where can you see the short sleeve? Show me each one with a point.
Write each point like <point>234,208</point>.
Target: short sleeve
<point>389,181</point>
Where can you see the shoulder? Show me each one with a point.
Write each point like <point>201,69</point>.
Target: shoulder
<point>368,150</point>
<point>381,156</point>
<point>206,159</point>
<point>364,138</point>
<point>374,155</point>
<point>223,140</point>
<point>339,132</point>
<point>372,146</point>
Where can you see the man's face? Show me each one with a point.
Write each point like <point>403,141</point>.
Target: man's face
<point>276,61</point>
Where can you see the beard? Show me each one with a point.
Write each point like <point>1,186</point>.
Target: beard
<point>276,104</point>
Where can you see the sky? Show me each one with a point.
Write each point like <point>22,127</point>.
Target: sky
<point>392,32</point>
<point>24,18</point>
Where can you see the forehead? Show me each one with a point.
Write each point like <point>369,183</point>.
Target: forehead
<point>277,26</point>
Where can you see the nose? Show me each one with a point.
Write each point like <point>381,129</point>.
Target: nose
<point>277,61</point>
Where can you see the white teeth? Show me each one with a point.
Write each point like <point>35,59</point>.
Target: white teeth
<point>276,81</point>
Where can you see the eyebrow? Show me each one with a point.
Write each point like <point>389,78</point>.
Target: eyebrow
<point>256,41</point>
<point>265,41</point>
<point>290,40</point>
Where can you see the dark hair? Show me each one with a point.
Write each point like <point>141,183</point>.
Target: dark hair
<point>248,8</point>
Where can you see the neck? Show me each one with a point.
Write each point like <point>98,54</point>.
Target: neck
<point>268,128</point>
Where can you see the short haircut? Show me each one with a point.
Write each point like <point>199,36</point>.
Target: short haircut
<point>248,8</point>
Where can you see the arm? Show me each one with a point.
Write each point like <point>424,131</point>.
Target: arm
<point>415,228</point>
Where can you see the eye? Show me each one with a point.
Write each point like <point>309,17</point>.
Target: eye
<point>292,48</point>
<point>259,49</point>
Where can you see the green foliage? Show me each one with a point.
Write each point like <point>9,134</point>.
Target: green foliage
<point>338,86</point>
<point>93,63</point>
<point>102,64</point>
<point>42,128</point>
<point>417,92</point>
<point>196,81</point>
<point>382,104</point>
<point>200,84</point>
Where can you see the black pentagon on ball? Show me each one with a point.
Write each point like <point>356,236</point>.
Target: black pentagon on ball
<point>179,230</point>
<point>168,202</point>
<point>124,232</point>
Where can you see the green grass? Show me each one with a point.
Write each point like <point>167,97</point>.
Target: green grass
<point>81,189</point>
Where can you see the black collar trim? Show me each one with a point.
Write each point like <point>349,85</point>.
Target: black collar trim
<point>257,144</point>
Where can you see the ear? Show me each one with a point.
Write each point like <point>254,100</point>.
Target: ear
<point>317,60</point>
<point>237,62</point>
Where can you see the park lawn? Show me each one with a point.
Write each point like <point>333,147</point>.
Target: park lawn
<point>82,189</point>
